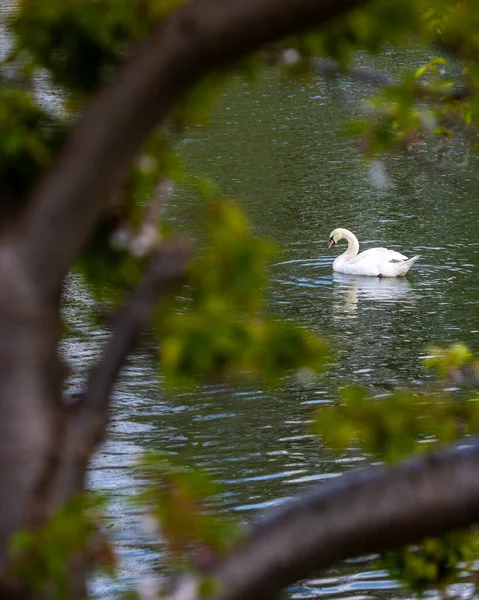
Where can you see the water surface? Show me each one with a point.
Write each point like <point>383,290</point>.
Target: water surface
<point>275,144</point>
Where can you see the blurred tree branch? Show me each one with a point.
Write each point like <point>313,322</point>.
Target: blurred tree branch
<point>88,418</point>
<point>166,269</point>
<point>362,513</point>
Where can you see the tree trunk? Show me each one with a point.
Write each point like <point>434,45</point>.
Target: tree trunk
<point>46,444</point>
<point>32,424</point>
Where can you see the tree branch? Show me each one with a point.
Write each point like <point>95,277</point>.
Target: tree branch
<point>166,269</point>
<point>199,37</point>
<point>369,512</point>
<point>87,420</point>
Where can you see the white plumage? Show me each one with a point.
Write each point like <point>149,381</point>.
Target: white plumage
<point>376,262</point>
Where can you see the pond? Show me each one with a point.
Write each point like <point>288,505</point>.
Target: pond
<point>274,142</point>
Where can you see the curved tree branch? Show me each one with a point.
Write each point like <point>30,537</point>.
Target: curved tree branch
<point>166,269</point>
<point>86,421</point>
<point>201,36</point>
<point>369,512</point>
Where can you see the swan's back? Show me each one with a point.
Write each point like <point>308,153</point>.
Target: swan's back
<point>376,262</point>
<point>398,269</point>
<point>378,254</point>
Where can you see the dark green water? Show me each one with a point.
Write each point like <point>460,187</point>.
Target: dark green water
<point>275,144</point>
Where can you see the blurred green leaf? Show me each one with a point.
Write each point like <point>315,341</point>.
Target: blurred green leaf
<point>217,328</point>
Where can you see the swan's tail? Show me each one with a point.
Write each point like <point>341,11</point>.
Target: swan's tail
<point>404,267</point>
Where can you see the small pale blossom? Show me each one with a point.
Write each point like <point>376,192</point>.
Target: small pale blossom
<point>150,524</point>
<point>145,241</point>
<point>291,56</point>
<point>121,238</point>
<point>148,588</point>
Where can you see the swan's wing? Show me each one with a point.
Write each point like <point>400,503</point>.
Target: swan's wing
<point>378,255</point>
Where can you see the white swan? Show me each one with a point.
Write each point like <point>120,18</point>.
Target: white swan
<point>377,262</point>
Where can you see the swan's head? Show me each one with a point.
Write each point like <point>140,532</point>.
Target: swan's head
<point>335,236</point>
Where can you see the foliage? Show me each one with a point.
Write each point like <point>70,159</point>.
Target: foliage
<point>28,141</point>
<point>436,563</point>
<point>397,425</point>
<point>218,327</point>
<point>179,500</point>
<point>437,100</point>
<point>432,106</point>
<point>64,40</point>
<point>413,113</point>
<point>64,37</point>
<point>44,556</point>
<point>393,427</point>
<point>455,364</point>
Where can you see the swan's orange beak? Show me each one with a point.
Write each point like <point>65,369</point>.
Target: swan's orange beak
<point>331,243</point>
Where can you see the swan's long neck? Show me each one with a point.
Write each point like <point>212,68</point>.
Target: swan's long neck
<point>353,245</point>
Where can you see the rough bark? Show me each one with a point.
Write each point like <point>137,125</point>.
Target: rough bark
<point>30,394</point>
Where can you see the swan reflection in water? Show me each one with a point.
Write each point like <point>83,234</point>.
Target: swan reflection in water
<point>352,289</point>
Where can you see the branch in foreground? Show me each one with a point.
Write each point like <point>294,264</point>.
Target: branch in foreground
<point>369,512</point>
<point>199,37</point>
<point>88,419</point>
<point>166,269</point>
